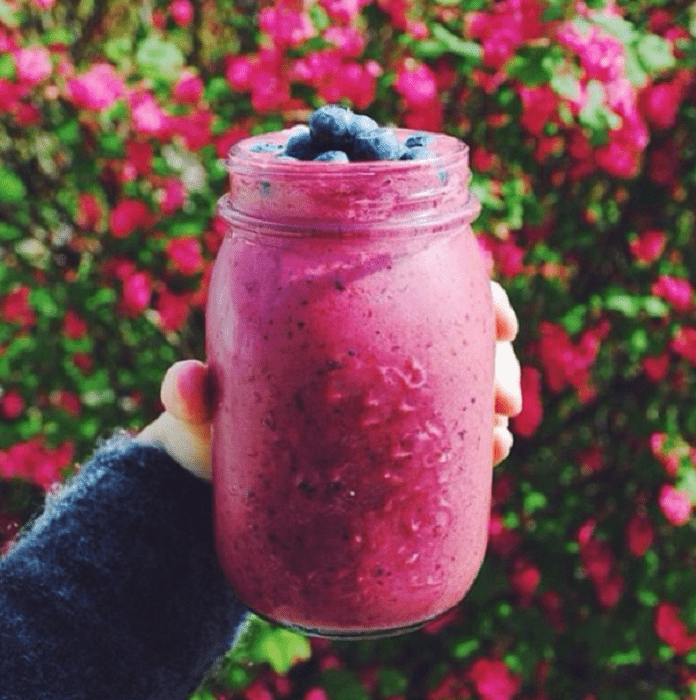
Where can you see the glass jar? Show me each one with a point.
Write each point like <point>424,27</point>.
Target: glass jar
<point>351,336</point>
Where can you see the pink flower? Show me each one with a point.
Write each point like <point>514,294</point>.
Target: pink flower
<point>676,291</point>
<point>44,4</point>
<point>98,88</point>
<point>285,26</point>
<point>671,629</point>
<point>493,680</point>
<point>15,307</point>
<point>675,505</point>
<point>661,101</point>
<point>639,534</point>
<point>11,404</point>
<point>73,325</point>
<point>504,28</point>
<point>188,89</point>
<point>598,562</point>
<point>32,461</point>
<point>343,10</point>
<point>182,12</point>
<point>656,367</point>
<point>185,254</point>
<point>601,55</point>
<point>525,579</point>
<point>348,40</point>
<point>138,161</point>
<point>316,694</point>
<point>137,290</point>
<point>684,343</point>
<point>416,84</point>
<point>149,119</point>
<point>173,309</point>
<point>257,691</point>
<point>174,196</point>
<point>69,401</point>
<point>127,216</point>
<point>527,422</point>
<point>649,245</point>
<point>239,71</point>
<point>619,159</point>
<point>539,108</point>
<point>33,65</point>
<point>89,211</point>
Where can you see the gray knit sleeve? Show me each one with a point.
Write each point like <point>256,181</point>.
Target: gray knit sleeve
<point>115,591</point>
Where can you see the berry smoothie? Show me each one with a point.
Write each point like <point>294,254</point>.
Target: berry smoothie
<point>351,341</point>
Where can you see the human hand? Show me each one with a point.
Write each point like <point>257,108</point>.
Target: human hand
<point>183,430</point>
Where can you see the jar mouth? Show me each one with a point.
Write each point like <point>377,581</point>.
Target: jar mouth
<point>443,149</point>
<point>374,199</point>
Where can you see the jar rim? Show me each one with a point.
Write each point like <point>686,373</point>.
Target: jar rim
<point>446,149</point>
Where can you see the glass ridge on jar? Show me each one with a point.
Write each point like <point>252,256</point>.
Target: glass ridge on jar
<point>350,336</point>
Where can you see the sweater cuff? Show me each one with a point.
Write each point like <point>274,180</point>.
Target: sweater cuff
<point>121,570</point>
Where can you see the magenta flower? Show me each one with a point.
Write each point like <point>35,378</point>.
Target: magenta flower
<point>33,65</point>
<point>127,216</point>
<point>678,292</point>
<point>99,88</point>
<point>182,12</point>
<point>493,680</point>
<point>672,630</point>
<point>649,245</point>
<point>137,291</point>
<point>185,254</point>
<point>527,422</point>
<point>675,505</point>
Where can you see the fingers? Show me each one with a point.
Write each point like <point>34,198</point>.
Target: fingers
<point>502,439</point>
<point>508,391</point>
<point>506,324</point>
<point>183,430</point>
<point>185,392</point>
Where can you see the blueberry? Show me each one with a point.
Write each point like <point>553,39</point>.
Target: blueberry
<point>362,123</point>
<point>418,140</point>
<point>300,145</point>
<point>267,148</point>
<point>416,153</point>
<point>330,127</point>
<point>378,144</point>
<point>333,157</point>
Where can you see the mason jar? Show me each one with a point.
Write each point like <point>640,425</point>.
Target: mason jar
<point>350,337</point>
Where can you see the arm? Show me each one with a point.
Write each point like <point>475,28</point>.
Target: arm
<point>115,591</point>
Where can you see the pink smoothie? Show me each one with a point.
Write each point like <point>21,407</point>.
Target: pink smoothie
<point>351,339</point>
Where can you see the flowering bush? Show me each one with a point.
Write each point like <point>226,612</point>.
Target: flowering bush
<point>114,120</point>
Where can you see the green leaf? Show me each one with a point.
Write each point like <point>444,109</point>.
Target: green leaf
<point>111,144</point>
<point>9,232</point>
<point>282,649</point>
<point>455,44</point>
<point>619,300</point>
<point>622,29</point>
<point>635,72</point>
<point>625,658</point>
<point>392,681</point>
<point>687,482</point>
<point>465,648</point>
<point>655,53</point>
<point>574,320</point>
<point>158,58</point>
<point>44,303</point>
<point>12,189</point>
<point>102,297</point>
<point>7,65</point>
<point>69,133</point>
<point>217,88</point>
<point>534,501</point>
<point>342,685</point>
<point>8,15</point>
<point>655,307</point>
<point>595,115</point>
